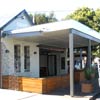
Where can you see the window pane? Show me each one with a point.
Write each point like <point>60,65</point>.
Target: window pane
<point>63,63</point>
<point>27,58</point>
<point>17,58</point>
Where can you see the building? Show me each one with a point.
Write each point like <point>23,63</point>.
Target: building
<point>35,58</point>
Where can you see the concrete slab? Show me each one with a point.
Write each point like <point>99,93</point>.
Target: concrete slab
<point>14,95</point>
<point>19,95</point>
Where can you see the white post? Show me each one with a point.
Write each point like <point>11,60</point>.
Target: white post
<point>66,56</point>
<point>99,72</point>
<point>89,54</point>
<point>81,58</point>
<point>71,54</point>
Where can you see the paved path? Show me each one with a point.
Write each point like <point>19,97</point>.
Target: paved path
<point>18,95</point>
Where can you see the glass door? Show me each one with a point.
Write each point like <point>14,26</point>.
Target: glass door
<point>52,65</point>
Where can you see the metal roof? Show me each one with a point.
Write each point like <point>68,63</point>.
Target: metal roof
<point>61,25</point>
<point>57,34</point>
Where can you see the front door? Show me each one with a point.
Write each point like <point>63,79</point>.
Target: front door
<point>52,65</point>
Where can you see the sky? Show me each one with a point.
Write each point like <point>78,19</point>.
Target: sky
<point>60,7</point>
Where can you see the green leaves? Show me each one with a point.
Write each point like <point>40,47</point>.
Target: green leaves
<point>89,72</point>
<point>42,18</point>
<point>87,16</point>
<point>96,51</point>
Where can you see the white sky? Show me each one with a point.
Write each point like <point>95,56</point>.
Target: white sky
<point>63,7</point>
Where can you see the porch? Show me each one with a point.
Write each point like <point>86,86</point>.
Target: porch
<point>61,36</point>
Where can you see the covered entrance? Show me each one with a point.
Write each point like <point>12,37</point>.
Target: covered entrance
<point>48,60</point>
<point>65,35</point>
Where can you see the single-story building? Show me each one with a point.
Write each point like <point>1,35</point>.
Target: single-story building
<point>41,58</point>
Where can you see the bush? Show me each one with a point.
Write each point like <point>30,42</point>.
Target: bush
<point>88,73</point>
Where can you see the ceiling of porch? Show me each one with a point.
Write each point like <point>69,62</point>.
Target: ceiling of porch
<point>58,38</point>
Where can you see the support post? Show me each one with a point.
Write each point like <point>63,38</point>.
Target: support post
<point>71,54</point>
<point>66,56</point>
<point>89,54</point>
<point>81,57</point>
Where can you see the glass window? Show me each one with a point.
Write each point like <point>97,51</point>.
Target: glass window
<point>26,58</point>
<point>17,58</point>
<point>62,62</point>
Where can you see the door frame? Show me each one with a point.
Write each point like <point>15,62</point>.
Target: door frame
<point>55,63</point>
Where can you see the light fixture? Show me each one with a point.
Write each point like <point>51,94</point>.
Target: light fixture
<point>6,51</point>
<point>35,52</point>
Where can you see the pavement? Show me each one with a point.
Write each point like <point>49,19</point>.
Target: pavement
<point>19,95</point>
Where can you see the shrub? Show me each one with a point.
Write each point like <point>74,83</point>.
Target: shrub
<point>89,72</point>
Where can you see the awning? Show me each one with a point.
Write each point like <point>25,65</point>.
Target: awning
<point>57,34</point>
<point>64,34</point>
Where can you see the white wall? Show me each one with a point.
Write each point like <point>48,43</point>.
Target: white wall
<point>8,58</point>
<point>19,22</point>
<point>62,71</point>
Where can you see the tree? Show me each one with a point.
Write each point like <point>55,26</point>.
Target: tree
<point>96,51</point>
<point>43,18</point>
<point>97,20</point>
<point>51,17</point>
<point>40,19</point>
<point>87,16</point>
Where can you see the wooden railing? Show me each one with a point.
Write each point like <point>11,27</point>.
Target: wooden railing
<point>39,85</point>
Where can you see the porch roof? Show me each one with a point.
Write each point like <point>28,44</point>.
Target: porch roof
<point>57,34</point>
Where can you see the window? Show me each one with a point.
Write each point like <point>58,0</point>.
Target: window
<point>27,58</point>
<point>17,58</point>
<point>62,62</point>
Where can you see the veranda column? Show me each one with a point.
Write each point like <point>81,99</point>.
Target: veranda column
<point>71,55</point>
<point>66,56</point>
<point>81,57</point>
<point>89,54</point>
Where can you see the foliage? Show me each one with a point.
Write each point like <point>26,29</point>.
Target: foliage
<point>96,51</point>
<point>42,18</point>
<point>51,17</point>
<point>89,72</point>
<point>87,16</point>
<point>31,17</point>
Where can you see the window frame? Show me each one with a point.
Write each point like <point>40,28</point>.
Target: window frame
<point>17,58</point>
<point>62,63</point>
<point>26,58</point>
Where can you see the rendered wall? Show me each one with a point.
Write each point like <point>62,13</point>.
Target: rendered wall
<point>8,58</point>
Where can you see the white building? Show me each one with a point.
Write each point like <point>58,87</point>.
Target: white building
<point>42,50</point>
